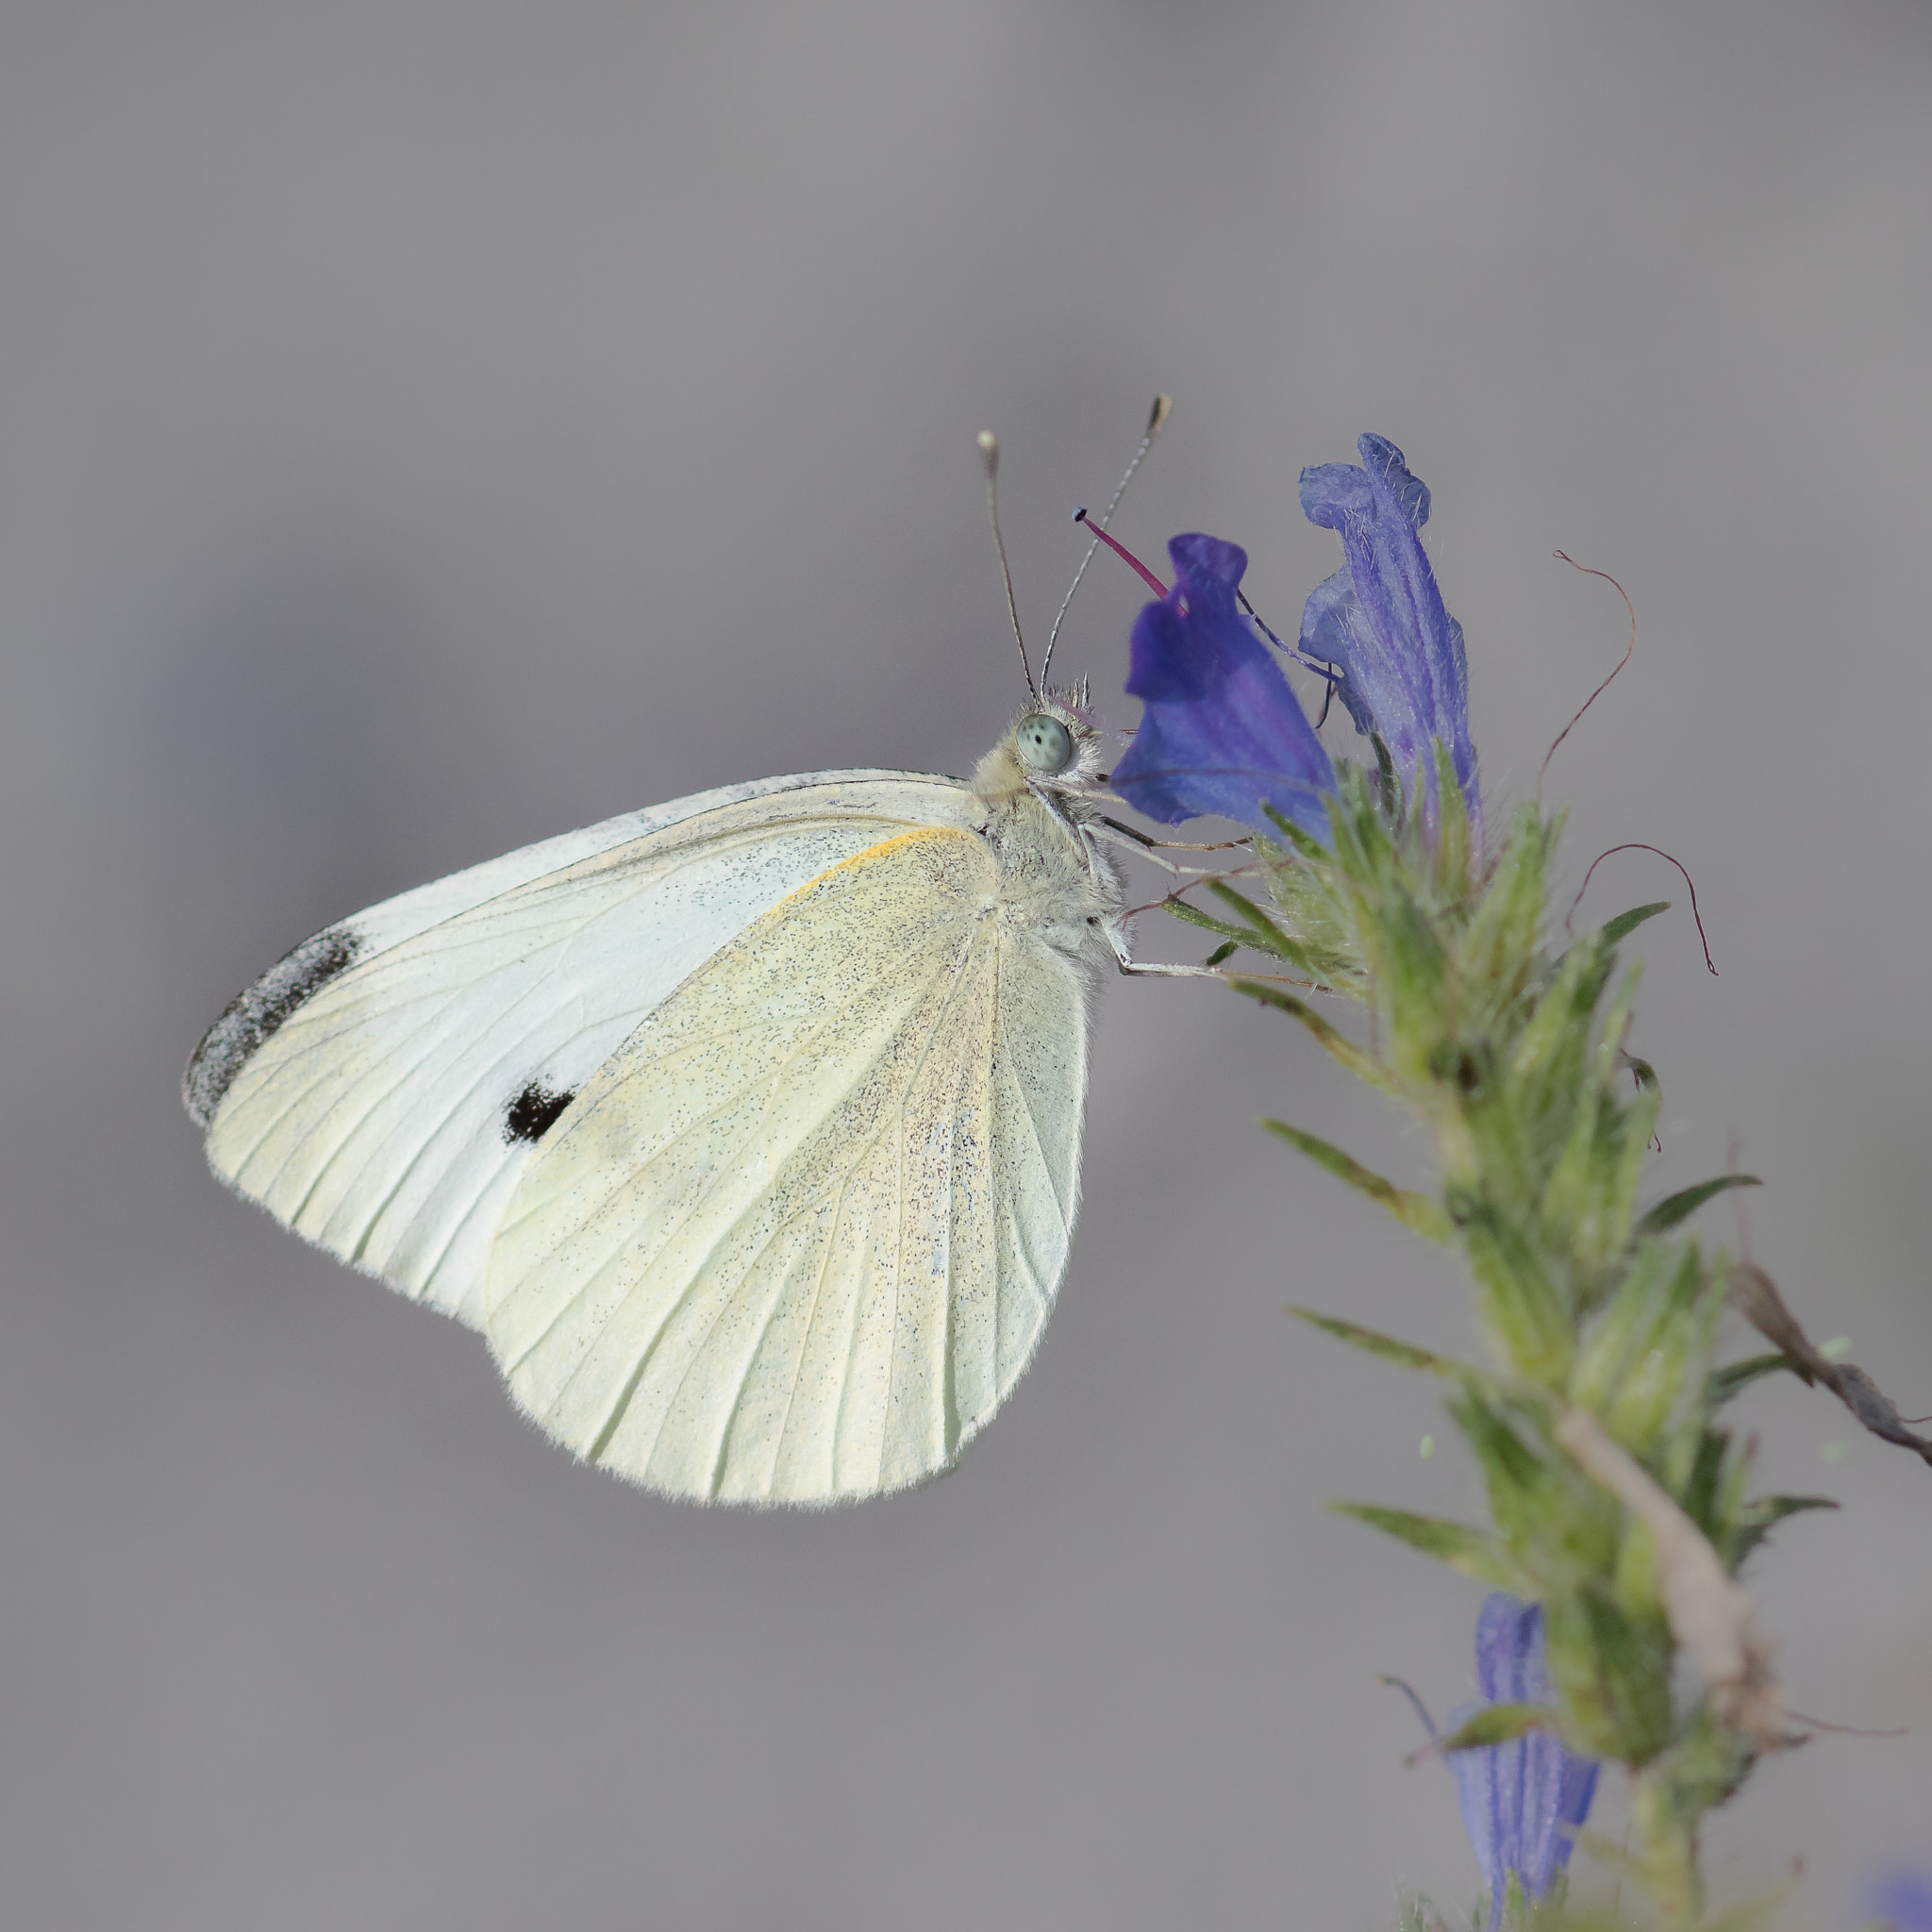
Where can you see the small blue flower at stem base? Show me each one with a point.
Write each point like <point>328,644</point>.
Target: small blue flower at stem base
<point>1380,620</point>
<point>1522,1802</point>
<point>1222,732</point>
<point>1903,1903</point>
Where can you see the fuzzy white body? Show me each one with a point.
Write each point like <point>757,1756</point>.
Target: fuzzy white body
<point>747,1129</point>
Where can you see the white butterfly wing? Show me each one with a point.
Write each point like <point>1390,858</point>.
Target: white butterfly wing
<point>797,1240</point>
<point>382,1090</point>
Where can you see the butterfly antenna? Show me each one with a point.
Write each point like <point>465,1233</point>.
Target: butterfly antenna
<point>989,459</point>
<point>1163,406</point>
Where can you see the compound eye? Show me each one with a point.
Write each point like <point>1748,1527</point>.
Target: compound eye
<point>1044,744</point>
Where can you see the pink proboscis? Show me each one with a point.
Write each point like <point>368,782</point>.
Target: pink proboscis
<point>1126,555</point>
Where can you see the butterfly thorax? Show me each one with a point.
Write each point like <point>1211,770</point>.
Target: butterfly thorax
<point>1055,878</point>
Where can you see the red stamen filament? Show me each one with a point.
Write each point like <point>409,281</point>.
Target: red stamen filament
<point>1126,555</point>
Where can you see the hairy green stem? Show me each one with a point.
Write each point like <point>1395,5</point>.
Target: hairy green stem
<point>1618,1498</point>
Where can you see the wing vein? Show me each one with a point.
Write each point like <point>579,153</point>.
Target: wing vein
<point>385,1095</point>
<point>894,1114</point>
<point>625,1177</point>
<point>812,1315</point>
<point>1032,1124</point>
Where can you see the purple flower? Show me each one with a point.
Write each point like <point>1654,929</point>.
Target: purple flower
<point>1379,620</point>
<point>1221,732</point>
<point>1904,1903</point>
<point>1522,1802</point>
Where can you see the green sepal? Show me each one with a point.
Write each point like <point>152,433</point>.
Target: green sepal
<point>1192,915</point>
<point>1591,1190</point>
<point>1363,1065</point>
<point>1520,1310</point>
<point>1452,829</point>
<point>1264,935</point>
<point>1404,1355</point>
<point>1759,1516</point>
<point>1549,1066</point>
<point>1499,1724</point>
<point>1728,1503</point>
<point>1634,1579</point>
<point>1315,909</point>
<point>1474,1552</point>
<point>1495,960</point>
<point>1642,1364</point>
<point>1621,927</point>
<point>1407,968</point>
<point>1615,1022</point>
<point>1686,1421</point>
<point>1552,1912</point>
<point>1686,1201</point>
<point>1622,1331</point>
<point>1722,1383</point>
<point>1511,1468</point>
<point>1706,1495</point>
<point>1415,1211</point>
<point>1612,1671</point>
<point>1305,843</point>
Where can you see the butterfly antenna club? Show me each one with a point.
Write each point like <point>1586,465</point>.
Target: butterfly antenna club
<point>1163,408</point>
<point>990,462</point>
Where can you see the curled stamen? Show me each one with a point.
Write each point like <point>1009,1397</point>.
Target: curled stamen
<point>1818,1723</point>
<point>1328,674</point>
<point>1638,845</point>
<point>1605,686</point>
<point>1420,1709</point>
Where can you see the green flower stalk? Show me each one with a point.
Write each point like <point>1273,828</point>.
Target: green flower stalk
<point>1620,1500</point>
<point>1616,1494</point>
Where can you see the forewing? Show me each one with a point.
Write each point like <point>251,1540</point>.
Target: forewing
<point>381,1090</point>
<point>798,1239</point>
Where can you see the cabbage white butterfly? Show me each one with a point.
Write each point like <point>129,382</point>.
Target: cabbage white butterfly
<point>746,1129</point>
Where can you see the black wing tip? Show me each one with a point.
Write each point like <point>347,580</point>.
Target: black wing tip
<point>258,1010</point>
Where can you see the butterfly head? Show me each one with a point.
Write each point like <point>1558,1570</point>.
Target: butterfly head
<point>1052,746</point>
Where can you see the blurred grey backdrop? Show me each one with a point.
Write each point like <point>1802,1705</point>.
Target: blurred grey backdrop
<point>424,427</point>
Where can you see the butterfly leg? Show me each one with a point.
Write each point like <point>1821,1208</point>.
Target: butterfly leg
<point>1151,969</point>
<point>1150,849</point>
<point>1123,957</point>
<point>1141,838</point>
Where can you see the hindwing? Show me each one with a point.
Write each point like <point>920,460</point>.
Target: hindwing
<point>797,1238</point>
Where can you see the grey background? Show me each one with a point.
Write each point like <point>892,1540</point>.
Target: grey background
<point>426,427</point>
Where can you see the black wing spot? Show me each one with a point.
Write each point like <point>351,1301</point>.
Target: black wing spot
<point>533,1113</point>
<point>258,1010</point>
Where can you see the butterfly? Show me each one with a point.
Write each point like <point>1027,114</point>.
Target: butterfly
<point>746,1129</point>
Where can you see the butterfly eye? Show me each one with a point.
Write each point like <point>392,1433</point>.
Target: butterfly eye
<point>1044,744</point>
